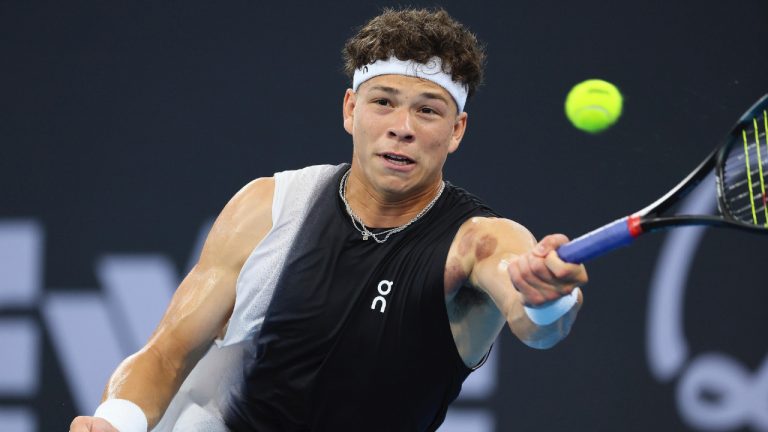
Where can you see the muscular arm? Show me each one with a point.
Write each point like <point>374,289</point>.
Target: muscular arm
<point>502,259</point>
<point>199,310</point>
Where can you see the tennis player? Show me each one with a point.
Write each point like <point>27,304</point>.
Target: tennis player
<point>355,297</point>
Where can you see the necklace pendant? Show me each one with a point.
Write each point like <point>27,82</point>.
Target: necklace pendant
<point>386,233</point>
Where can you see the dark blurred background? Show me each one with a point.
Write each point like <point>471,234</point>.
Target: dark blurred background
<point>126,126</point>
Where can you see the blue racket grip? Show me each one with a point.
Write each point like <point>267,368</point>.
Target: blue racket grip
<point>595,243</point>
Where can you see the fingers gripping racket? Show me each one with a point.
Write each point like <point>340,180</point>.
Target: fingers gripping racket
<point>740,165</point>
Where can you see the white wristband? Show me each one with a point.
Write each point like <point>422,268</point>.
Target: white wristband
<point>123,414</point>
<point>552,311</point>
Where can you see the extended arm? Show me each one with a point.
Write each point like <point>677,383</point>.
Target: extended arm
<point>198,312</point>
<point>505,262</point>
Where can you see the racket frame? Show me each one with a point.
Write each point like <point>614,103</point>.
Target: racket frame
<point>622,232</point>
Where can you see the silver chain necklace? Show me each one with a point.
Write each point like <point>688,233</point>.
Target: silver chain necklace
<point>386,233</point>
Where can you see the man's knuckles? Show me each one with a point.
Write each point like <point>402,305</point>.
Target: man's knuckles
<point>539,269</point>
<point>553,241</point>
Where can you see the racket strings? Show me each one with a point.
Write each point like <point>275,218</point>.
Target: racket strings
<point>744,174</point>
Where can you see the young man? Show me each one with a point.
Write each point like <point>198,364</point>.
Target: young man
<point>352,297</point>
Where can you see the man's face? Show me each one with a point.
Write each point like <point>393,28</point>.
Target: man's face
<point>402,130</point>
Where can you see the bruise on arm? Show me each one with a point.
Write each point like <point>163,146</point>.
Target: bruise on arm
<point>455,276</point>
<point>496,240</point>
<point>475,244</point>
<point>485,247</point>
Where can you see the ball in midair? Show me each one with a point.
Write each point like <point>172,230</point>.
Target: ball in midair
<point>593,105</point>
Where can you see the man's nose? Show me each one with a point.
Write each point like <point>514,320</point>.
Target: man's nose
<point>402,129</point>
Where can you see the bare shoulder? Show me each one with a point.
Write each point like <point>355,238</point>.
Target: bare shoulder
<point>479,239</point>
<point>204,300</point>
<point>256,196</point>
<point>242,224</point>
<point>505,231</point>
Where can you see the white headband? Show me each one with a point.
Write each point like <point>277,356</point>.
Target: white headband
<point>432,71</point>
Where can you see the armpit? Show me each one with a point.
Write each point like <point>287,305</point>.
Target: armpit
<point>466,299</point>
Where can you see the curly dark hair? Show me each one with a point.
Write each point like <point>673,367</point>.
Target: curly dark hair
<point>418,34</point>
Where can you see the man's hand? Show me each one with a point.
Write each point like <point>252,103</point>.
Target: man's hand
<point>541,276</point>
<point>91,424</point>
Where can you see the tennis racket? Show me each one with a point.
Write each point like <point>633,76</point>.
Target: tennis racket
<point>740,165</point>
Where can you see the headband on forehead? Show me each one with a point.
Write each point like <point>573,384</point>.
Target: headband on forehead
<point>431,70</point>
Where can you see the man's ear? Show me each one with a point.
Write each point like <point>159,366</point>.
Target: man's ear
<point>458,131</point>
<point>348,110</point>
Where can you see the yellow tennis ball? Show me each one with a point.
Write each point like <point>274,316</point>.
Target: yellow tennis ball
<point>593,105</point>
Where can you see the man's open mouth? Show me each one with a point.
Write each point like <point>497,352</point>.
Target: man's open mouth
<point>397,159</point>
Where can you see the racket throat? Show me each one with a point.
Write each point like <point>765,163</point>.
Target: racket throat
<point>635,225</point>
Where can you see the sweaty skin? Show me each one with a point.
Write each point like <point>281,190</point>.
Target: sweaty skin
<point>197,314</point>
<point>494,266</point>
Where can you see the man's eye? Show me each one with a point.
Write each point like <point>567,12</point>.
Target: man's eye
<point>428,110</point>
<point>382,102</point>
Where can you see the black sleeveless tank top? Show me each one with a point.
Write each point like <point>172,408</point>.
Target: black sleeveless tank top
<point>357,336</point>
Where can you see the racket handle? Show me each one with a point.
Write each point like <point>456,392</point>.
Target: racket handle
<point>616,234</point>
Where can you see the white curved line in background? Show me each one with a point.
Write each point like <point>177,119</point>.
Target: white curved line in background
<point>728,384</point>
<point>666,346</point>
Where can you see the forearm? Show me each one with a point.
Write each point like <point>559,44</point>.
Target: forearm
<point>148,379</point>
<point>541,336</point>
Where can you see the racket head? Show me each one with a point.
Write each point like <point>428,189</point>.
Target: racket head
<point>741,191</point>
<point>742,171</point>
